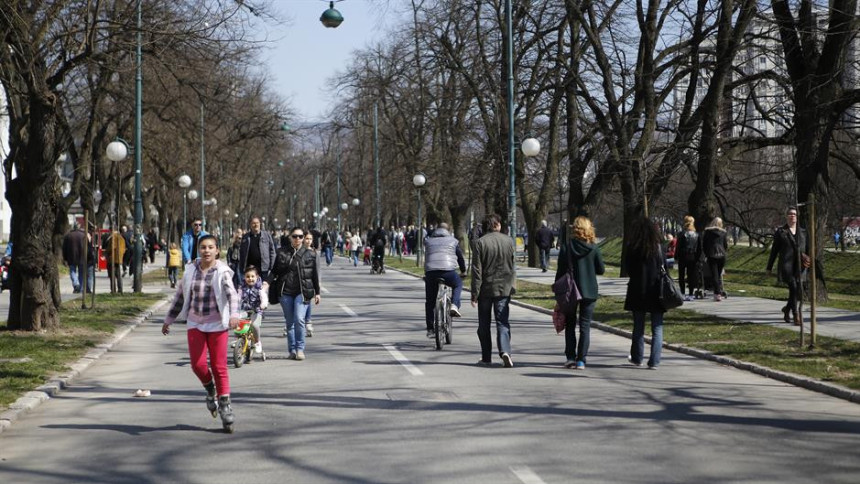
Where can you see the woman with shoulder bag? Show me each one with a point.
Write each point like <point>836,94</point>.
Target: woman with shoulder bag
<point>295,282</point>
<point>581,256</point>
<point>643,260</point>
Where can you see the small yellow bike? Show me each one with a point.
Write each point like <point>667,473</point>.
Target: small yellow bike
<point>243,347</point>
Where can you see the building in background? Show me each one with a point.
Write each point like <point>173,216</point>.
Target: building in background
<point>5,211</point>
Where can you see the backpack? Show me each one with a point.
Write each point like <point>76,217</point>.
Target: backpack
<point>691,244</point>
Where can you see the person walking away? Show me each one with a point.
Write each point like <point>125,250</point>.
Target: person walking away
<point>257,249</point>
<point>643,261</point>
<point>788,240</point>
<point>355,246</point>
<point>206,299</point>
<point>294,282</point>
<point>190,241</point>
<point>152,245</point>
<point>73,256</point>
<point>583,256</point>
<point>442,258</point>
<point>544,242</point>
<point>128,235</point>
<point>329,238</point>
<point>686,253</point>
<point>493,282</point>
<point>378,241</point>
<point>255,299</point>
<point>308,243</point>
<point>116,249</point>
<point>715,246</point>
<point>174,261</point>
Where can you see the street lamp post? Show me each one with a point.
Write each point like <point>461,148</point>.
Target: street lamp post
<point>184,182</point>
<point>419,180</point>
<point>530,146</point>
<point>202,166</point>
<point>376,162</point>
<point>355,203</point>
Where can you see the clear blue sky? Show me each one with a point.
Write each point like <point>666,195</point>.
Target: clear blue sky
<point>306,54</point>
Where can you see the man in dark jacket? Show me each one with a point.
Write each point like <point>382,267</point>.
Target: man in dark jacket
<point>494,280</point>
<point>788,240</point>
<point>327,241</point>
<point>73,256</point>
<point>257,249</point>
<point>544,242</point>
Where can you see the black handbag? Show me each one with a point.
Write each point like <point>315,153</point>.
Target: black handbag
<point>670,296</point>
<point>565,289</point>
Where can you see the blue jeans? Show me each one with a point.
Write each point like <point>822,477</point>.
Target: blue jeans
<point>431,287</point>
<point>73,275</point>
<point>544,258</point>
<point>329,254</point>
<point>637,348</point>
<point>295,310</point>
<point>585,308</point>
<point>355,256</point>
<point>500,307</point>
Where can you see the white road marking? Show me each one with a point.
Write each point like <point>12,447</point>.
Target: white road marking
<point>347,310</point>
<point>403,361</point>
<point>526,475</point>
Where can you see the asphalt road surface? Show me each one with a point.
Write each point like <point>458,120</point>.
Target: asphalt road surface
<point>375,403</point>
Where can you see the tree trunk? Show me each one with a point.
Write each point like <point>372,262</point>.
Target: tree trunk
<point>35,294</point>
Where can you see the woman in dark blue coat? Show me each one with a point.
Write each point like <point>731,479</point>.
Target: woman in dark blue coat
<point>643,260</point>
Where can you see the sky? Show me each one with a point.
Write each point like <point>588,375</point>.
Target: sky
<point>306,54</point>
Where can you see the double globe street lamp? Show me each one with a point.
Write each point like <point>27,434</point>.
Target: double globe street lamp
<point>184,182</point>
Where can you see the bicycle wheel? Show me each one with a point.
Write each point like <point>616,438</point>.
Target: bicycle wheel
<point>239,352</point>
<point>439,326</point>
<point>449,323</point>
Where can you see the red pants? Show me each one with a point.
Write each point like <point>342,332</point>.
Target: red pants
<point>216,343</point>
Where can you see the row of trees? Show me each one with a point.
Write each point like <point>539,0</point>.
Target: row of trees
<point>732,107</point>
<point>67,69</point>
<point>642,107</point>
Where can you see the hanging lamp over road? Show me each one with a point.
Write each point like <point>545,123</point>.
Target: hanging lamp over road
<point>331,18</point>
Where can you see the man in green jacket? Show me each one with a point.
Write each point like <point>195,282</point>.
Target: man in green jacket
<point>494,280</point>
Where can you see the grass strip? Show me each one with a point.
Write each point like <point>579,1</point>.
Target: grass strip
<point>29,359</point>
<point>832,360</point>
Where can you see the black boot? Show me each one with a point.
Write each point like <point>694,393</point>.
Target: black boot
<point>786,312</point>
<point>211,404</point>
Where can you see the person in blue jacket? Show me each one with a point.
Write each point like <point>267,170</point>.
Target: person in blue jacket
<point>189,241</point>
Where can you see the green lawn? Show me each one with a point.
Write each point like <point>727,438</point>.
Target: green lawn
<point>745,273</point>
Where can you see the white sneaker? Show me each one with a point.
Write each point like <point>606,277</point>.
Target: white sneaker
<point>309,330</point>
<point>431,334</point>
<point>258,348</point>
<point>455,311</point>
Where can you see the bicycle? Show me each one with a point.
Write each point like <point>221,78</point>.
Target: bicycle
<point>243,347</point>
<point>443,328</point>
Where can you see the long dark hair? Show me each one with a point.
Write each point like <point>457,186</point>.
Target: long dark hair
<point>644,239</point>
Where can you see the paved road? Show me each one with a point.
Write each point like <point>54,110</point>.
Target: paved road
<point>353,413</point>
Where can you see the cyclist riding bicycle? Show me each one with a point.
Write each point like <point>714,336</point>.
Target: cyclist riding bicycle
<point>442,256</point>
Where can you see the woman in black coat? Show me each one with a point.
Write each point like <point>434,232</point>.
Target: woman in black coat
<point>295,283</point>
<point>786,242</point>
<point>715,245</point>
<point>643,260</point>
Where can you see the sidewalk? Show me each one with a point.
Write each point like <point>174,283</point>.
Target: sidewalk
<point>837,323</point>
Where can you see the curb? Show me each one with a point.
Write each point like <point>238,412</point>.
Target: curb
<point>831,389</point>
<point>55,384</point>
<point>819,386</point>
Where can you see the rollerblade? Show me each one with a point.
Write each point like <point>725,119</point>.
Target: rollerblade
<point>309,329</point>
<point>211,404</point>
<point>226,412</point>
